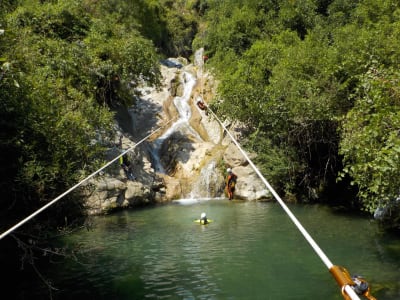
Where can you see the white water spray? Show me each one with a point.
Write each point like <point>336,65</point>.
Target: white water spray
<point>207,183</point>
<point>182,124</point>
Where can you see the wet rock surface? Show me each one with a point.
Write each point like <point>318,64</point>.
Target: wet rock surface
<point>194,156</point>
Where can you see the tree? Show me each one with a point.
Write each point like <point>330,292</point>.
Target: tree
<point>232,27</point>
<point>293,91</point>
<point>63,66</point>
<point>62,62</point>
<point>370,142</point>
<point>298,16</point>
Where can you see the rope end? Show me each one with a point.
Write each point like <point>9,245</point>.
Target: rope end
<point>358,285</point>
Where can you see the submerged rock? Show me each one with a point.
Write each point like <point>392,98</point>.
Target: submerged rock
<point>388,215</point>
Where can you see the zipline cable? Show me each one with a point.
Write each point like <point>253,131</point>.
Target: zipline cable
<point>79,183</point>
<point>335,270</point>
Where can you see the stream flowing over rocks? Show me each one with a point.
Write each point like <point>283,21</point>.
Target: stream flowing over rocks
<point>186,159</point>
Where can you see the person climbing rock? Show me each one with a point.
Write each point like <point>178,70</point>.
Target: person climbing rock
<point>230,183</point>
<point>127,167</point>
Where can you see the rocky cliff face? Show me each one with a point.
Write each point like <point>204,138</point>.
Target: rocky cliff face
<point>187,159</point>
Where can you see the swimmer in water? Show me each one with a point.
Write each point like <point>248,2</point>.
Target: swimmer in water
<point>203,219</point>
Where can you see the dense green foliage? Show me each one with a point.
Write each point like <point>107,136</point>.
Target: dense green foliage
<point>370,141</point>
<point>171,25</point>
<point>315,81</point>
<point>64,65</point>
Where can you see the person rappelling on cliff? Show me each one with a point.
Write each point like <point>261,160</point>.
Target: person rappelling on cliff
<point>230,183</point>
<point>127,167</point>
<point>125,163</point>
<point>201,104</point>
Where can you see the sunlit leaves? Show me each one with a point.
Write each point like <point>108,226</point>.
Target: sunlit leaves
<point>299,77</point>
<point>298,16</point>
<point>59,60</point>
<point>234,28</point>
<point>118,57</point>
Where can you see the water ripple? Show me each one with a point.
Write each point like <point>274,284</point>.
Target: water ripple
<point>249,249</point>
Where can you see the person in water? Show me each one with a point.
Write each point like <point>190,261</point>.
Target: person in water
<point>203,219</point>
<point>230,183</point>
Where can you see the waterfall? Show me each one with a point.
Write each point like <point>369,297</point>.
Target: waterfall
<point>182,124</point>
<point>207,185</point>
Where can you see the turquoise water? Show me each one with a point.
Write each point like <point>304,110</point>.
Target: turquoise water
<point>250,251</point>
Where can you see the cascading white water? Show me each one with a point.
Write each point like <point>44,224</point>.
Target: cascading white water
<point>182,124</point>
<point>207,183</point>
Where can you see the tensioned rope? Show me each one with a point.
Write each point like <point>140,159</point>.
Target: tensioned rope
<point>80,183</point>
<point>340,274</point>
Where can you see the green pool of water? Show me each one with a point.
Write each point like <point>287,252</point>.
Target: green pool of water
<point>250,251</point>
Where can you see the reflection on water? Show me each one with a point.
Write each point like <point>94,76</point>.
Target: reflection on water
<point>250,251</point>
